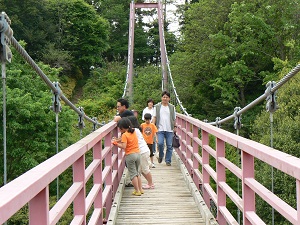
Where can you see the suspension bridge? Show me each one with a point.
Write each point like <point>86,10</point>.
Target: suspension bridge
<point>193,190</point>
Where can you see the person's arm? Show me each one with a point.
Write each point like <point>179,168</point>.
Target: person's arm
<point>143,115</point>
<point>154,119</point>
<point>117,142</point>
<point>117,118</point>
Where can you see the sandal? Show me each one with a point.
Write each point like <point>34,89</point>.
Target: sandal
<point>147,186</point>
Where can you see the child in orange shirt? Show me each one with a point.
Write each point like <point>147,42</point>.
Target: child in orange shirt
<point>149,131</point>
<point>129,142</point>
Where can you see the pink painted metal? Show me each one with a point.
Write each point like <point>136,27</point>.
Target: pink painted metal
<point>207,177</point>
<point>131,47</point>
<point>197,154</point>
<point>33,186</point>
<point>163,53</point>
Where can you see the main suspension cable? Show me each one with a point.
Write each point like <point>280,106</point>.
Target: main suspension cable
<point>261,98</point>
<point>31,62</point>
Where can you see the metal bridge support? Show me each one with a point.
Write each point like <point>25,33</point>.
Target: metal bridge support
<point>5,57</point>
<point>133,6</point>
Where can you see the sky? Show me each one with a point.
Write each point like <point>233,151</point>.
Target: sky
<point>171,8</point>
<point>173,27</point>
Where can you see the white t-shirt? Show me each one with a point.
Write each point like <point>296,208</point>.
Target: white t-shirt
<point>147,110</point>
<point>164,121</point>
<point>142,143</point>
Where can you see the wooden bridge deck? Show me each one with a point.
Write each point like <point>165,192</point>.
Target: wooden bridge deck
<point>175,200</point>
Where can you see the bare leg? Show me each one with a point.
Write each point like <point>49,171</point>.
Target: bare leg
<point>148,177</point>
<point>140,184</point>
<point>136,184</point>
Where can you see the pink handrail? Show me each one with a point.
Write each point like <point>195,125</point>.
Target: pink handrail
<point>106,170</point>
<point>195,153</point>
<point>33,186</point>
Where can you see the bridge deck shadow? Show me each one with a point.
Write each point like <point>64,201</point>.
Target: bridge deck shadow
<point>174,200</point>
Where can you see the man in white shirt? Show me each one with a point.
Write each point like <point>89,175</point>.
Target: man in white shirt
<point>164,117</point>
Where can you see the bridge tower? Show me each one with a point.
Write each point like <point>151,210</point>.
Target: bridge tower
<point>159,8</point>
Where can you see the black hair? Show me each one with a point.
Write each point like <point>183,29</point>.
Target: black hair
<point>165,93</point>
<point>123,101</point>
<point>147,116</point>
<point>135,123</point>
<point>150,100</point>
<point>125,123</point>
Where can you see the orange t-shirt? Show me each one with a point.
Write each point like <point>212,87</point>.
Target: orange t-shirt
<point>132,144</point>
<point>148,131</point>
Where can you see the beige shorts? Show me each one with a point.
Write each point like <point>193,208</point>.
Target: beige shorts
<point>145,163</point>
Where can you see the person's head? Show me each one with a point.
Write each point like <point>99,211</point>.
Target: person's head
<point>147,117</point>
<point>135,113</point>
<point>135,123</point>
<point>124,125</point>
<point>165,97</point>
<point>150,103</point>
<point>122,105</point>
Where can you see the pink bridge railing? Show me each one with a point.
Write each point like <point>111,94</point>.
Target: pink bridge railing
<point>104,171</point>
<point>196,153</point>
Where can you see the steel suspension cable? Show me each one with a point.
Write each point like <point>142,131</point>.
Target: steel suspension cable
<point>3,66</point>
<point>169,71</point>
<point>31,62</point>
<point>261,98</point>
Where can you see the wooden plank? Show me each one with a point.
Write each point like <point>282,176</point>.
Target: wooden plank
<point>170,202</point>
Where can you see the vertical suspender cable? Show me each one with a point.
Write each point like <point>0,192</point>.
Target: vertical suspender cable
<point>57,179</point>
<point>4,121</point>
<point>238,125</point>
<point>272,172</point>
<point>238,180</point>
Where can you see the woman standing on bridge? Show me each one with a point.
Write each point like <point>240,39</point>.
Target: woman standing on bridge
<point>129,142</point>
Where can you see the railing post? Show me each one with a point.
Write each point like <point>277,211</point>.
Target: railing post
<point>298,199</point>
<point>97,176</point>
<point>195,151</point>
<point>79,176</point>
<point>221,177</point>
<point>39,208</point>
<point>108,180</point>
<point>179,122</point>
<point>121,164</point>
<point>205,160</point>
<point>248,193</point>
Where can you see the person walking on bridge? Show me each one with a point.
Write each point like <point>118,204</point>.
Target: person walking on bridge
<point>150,109</point>
<point>164,117</point>
<point>149,131</point>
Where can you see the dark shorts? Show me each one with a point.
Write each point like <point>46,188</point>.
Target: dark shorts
<point>151,150</point>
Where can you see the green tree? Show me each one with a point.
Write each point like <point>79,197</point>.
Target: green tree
<point>30,22</point>
<point>285,138</point>
<point>30,122</point>
<point>117,13</point>
<point>82,32</point>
